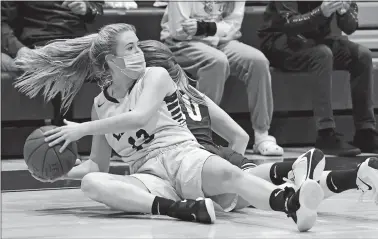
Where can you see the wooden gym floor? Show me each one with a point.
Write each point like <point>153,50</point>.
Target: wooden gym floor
<point>68,214</point>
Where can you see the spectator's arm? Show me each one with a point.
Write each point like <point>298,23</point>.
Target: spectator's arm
<point>348,22</point>
<point>94,8</point>
<point>178,12</point>
<point>232,23</point>
<point>9,42</point>
<point>292,22</point>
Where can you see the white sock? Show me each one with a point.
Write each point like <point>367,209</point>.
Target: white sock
<point>323,184</point>
<point>260,134</point>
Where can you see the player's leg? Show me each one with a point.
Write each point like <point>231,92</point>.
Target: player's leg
<point>364,177</point>
<point>210,175</point>
<point>275,173</point>
<point>332,182</point>
<point>131,194</point>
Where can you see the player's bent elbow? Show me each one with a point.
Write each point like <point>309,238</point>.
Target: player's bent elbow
<point>244,137</point>
<point>241,137</point>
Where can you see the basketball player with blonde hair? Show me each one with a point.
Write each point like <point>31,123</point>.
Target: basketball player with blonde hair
<point>138,115</point>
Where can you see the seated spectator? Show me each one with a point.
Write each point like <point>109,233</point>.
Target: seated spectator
<point>203,37</point>
<point>296,37</point>
<point>28,24</point>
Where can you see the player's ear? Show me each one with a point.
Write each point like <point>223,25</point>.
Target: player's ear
<point>109,58</point>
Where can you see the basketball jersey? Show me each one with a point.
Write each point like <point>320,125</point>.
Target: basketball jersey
<point>165,128</point>
<point>197,119</point>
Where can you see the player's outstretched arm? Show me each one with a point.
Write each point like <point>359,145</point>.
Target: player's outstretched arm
<point>99,159</point>
<point>227,128</point>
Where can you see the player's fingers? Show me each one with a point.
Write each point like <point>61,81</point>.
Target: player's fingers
<point>54,136</point>
<point>57,141</point>
<point>52,131</point>
<point>65,145</point>
<point>68,122</point>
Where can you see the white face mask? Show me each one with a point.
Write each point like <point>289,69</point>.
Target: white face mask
<point>135,65</point>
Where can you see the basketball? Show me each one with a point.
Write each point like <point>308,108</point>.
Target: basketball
<point>46,162</point>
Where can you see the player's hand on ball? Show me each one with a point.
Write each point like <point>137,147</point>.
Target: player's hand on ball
<point>71,132</point>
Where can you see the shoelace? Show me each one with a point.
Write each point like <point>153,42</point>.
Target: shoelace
<point>364,191</point>
<point>290,178</point>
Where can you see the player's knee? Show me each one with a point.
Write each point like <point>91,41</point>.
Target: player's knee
<point>230,175</point>
<point>90,185</point>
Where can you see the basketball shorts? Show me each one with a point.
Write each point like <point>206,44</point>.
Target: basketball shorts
<point>175,173</point>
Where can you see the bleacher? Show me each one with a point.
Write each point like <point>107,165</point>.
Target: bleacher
<point>292,123</point>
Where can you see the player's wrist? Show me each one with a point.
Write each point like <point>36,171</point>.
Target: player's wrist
<point>85,128</point>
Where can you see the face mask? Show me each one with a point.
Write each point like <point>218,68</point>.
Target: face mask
<point>135,65</point>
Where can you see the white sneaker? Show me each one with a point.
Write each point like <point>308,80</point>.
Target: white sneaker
<point>306,200</point>
<point>367,177</point>
<point>309,165</point>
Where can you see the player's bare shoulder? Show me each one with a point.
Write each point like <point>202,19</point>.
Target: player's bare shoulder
<point>159,76</point>
<point>158,73</point>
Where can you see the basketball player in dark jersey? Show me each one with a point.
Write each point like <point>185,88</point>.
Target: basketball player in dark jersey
<point>201,124</point>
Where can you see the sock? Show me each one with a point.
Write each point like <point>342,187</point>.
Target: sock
<point>237,159</point>
<point>277,200</point>
<point>278,171</point>
<point>160,206</point>
<point>247,163</point>
<point>260,134</point>
<point>341,180</point>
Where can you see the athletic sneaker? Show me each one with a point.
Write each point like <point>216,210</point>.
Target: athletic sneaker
<point>367,177</point>
<point>302,205</point>
<point>309,165</point>
<point>332,143</point>
<point>199,210</point>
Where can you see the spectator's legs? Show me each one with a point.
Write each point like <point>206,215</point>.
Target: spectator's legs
<point>251,66</point>
<point>206,64</point>
<point>357,60</point>
<point>318,60</point>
